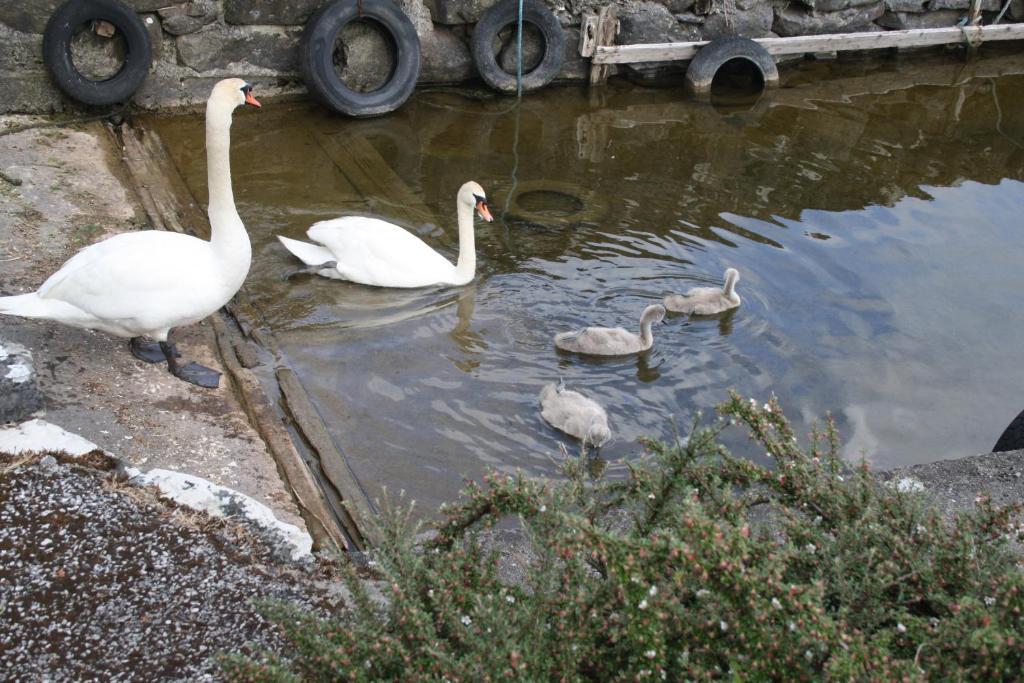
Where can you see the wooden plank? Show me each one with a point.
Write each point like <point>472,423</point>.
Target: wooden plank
<point>661,52</point>
<point>358,517</point>
<point>372,177</point>
<point>297,476</point>
<point>607,29</point>
<point>588,34</point>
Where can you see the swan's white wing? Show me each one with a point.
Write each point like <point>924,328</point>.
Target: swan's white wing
<point>310,254</point>
<point>375,252</point>
<point>151,275</point>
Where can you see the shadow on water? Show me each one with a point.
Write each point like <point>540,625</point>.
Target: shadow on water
<point>872,208</point>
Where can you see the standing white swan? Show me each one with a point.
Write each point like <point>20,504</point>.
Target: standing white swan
<point>612,341</point>
<point>707,300</point>
<point>374,252</point>
<point>142,284</point>
<point>575,414</point>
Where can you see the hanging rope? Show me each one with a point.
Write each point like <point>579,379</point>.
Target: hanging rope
<point>519,52</point>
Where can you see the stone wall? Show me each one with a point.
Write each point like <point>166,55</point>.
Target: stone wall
<point>200,41</point>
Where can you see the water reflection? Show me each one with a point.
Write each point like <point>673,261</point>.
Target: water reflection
<point>863,212</point>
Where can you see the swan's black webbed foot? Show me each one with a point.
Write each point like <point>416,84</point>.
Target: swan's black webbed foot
<point>200,375</point>
<point>193,373</point>
<point>310,269</point>
<point>149,351</point>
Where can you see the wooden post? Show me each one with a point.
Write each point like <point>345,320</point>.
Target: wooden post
<point>973,19</point>
<point>607,28</point>
<point>975,13</point>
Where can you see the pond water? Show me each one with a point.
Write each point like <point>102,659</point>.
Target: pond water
<point>876,225</point>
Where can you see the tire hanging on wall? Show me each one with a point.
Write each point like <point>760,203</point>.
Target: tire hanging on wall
<point>57,38</point>
<point>506,13</point>
<point>316,57</point>
<point>711,57</point>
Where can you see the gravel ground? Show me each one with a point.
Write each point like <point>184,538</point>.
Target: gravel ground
<point>104,581</point>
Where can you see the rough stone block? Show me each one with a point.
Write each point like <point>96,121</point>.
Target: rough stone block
<point>905,5</point>
<point>794,21</point>
<point>650,22</point>
<point>835,5</point>
<point>156,35</point>
<point>217,46</point>
<point>444,57</point>
<point>28,16</point>
<point>148,5</point>
<point>21,50</point>
<point>753,23</point>
<point>908,20</point>
<point>271,12</point>
<point>574,67</point>
<point>533,43</point>
<point>179,20</point>
<point>679,6</point>
<point>452,12</point>
<point>19,392</point>
<point>986,5</point>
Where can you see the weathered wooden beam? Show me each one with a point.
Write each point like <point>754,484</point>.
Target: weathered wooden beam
<point>358,515</point>
<point>607,28</point>
<point>373,178</point>
<point>663,52</point>
<point>588,34</point>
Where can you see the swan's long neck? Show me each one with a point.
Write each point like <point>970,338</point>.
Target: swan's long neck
<point>465,269</point>
<point>227,234</point>
<point>730,286</point>
<point>646,336</point>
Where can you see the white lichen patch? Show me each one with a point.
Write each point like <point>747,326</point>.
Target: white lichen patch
<point>18,360</point>
<point>908,485</point>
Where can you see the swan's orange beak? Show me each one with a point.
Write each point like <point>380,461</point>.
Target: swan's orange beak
<point>249,99</point>
<point>485,213</point>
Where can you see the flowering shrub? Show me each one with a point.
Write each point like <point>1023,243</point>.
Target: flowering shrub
<point>698,565</point>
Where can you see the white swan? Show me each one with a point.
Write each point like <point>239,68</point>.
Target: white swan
<point>707,300</point>
<point>575,414</point>
<point>142,284</point>
<point>612,341</point>
<point>374,252</point>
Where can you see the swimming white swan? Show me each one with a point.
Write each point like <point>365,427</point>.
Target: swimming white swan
<point>374,252</point>
<point>612,341</point>
<point>142,284</point>
<point>707,300</point>
<point>575,414</point>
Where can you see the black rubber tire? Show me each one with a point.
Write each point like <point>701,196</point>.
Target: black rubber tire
<point>60,30</point>
<point>506,13</point>
<point>712,56</point>
<point>316,57</point>
<point>593,208</point>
